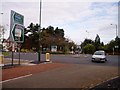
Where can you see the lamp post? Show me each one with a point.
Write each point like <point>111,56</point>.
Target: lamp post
<point>39,30</point>
<point>116,36</point>
<point>87,33</point>
<point>115,27</point>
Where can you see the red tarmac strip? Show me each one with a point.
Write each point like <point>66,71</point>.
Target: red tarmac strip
<point>26,70</point>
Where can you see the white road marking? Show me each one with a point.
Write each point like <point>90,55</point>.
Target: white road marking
<point>16,78</point>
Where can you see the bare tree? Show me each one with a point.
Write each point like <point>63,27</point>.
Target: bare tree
<point>2,32</point>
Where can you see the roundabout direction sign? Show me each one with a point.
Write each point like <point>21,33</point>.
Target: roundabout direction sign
<point>17,33</point>
<point>16,27</point>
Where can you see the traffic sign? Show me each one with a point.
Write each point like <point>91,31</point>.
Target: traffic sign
<point>17,18</point>
<point>16,27</point>
<point>18,33</point>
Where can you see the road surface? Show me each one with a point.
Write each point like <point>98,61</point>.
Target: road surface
<point>69,59</point>
<point>79,72</point>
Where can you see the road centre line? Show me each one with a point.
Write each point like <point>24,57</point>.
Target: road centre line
<point>16,78</point>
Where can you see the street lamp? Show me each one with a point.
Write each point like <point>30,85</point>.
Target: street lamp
<point>39,51</point>
<point>116,28</point>
<point>87,33</point>
<point>116,36</point>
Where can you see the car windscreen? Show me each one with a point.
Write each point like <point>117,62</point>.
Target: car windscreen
<point>99,53</point>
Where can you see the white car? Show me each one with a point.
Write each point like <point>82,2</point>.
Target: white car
<point>99,56</point>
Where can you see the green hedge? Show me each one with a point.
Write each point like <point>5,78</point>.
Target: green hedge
<point>53,52</point>
<point>6,53</point>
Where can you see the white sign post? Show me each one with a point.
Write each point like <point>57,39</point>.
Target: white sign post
<point>16,30</point>
<point>16,27</point>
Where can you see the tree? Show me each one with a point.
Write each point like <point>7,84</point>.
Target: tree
<point>2,32</point>
<point>117,41</point>
<point>111,45</point>
<point>31,35</point>
<point>50,30</point>
<point>102,44</point>
<point>89,49</point>
<point>87,41</point>
<point>48,37</point>
<point>59,32</point>
<point>97,39</point>
<point>97,42</point>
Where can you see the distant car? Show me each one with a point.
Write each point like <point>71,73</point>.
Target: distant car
<point>99,56</point>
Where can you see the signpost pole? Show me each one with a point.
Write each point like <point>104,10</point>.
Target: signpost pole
<point>17,30</point>
<point>13,47</point>
<point>19,50</point>
<point>19,55</point>
<point>12,58</point>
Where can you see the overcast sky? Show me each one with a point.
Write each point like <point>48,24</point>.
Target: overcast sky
<point>79,19</point>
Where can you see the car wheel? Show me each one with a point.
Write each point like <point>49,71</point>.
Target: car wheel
<point>105,59</point>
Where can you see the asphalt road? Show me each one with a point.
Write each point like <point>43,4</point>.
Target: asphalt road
<point>81,72</point>
<point>73,76</point>
<point>69,59</point>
